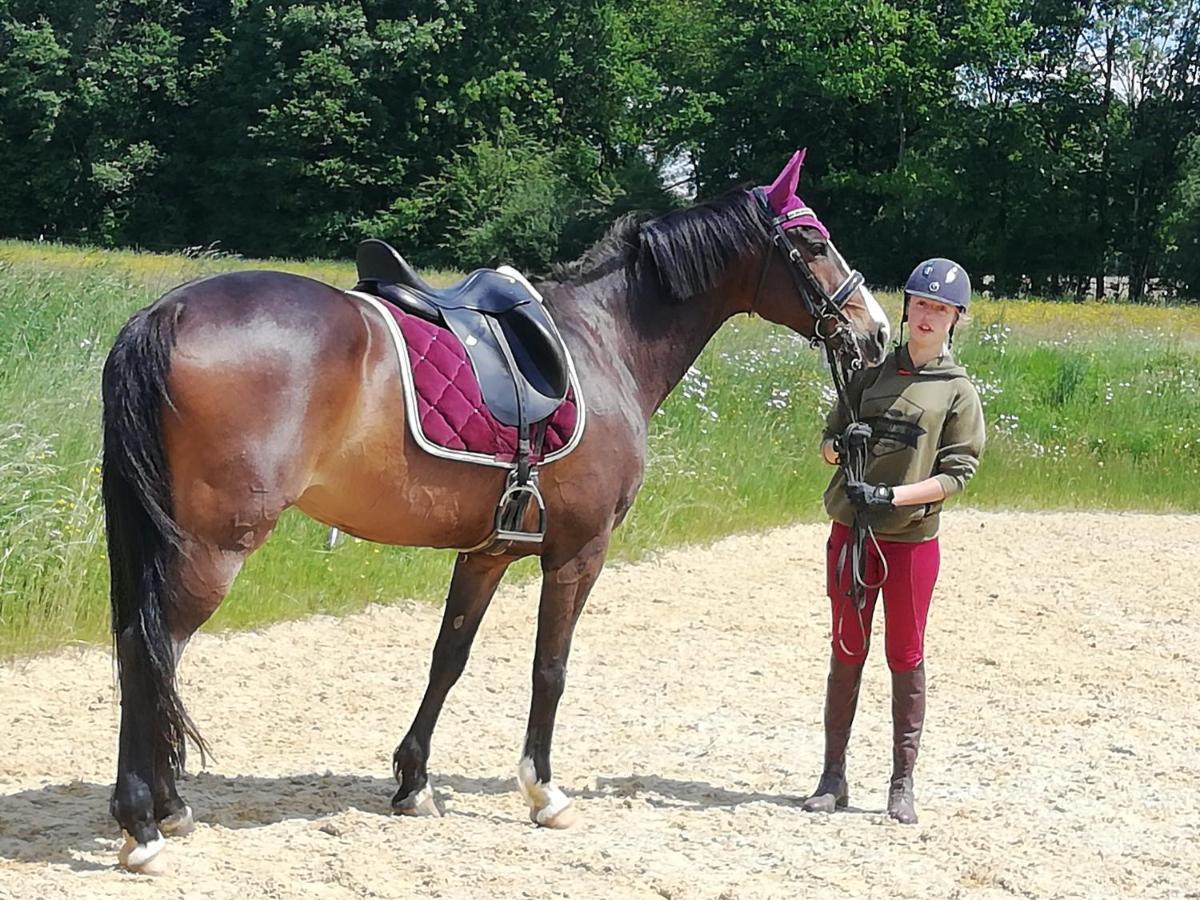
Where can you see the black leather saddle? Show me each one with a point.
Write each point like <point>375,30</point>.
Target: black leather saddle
<point>514,348</point>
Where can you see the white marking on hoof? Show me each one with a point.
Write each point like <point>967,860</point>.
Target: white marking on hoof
<point>145,859</point>
<point>179,824</point>
<point>564,818</point>
<point>420,803</point>
<point>548,806</point>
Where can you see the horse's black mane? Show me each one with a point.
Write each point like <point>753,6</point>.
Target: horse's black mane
<point>690,248</point>
<point>686,250</point>
<point>617,245</point>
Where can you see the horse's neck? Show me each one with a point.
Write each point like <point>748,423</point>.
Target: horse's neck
<point>659,358</point>
<point>654,340</point>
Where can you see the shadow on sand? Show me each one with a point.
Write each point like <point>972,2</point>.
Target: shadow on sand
<point>59,823</point>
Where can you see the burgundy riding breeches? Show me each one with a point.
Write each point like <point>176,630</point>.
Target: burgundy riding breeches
<point>912,571</point>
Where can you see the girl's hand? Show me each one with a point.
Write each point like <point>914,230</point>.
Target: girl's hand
<point>870,496</point>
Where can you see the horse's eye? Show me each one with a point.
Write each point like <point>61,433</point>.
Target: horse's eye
<point>816,247</point>
<point>814,242</point>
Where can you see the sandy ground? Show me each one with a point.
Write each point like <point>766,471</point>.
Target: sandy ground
<point>1060,757</point>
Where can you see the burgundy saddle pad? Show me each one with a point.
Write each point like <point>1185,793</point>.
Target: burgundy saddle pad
<point>451,415</point>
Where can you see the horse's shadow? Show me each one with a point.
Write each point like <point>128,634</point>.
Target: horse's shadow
<point>61,824</point>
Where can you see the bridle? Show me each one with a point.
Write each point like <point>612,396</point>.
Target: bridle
<point>831,325</point>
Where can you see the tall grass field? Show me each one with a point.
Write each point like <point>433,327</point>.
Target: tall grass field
<point>1088,406</point>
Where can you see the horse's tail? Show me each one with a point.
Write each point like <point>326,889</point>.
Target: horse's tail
<point>143,537</point>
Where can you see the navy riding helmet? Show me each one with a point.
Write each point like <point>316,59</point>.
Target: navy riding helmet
<point>942,280</point>
<point>938,279</point>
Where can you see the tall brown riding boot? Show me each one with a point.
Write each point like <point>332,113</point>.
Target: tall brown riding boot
<point>841,699</point>
<point>908,717</point>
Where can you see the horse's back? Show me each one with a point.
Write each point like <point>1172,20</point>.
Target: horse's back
<point>251,292</point>
<point>254,318</point>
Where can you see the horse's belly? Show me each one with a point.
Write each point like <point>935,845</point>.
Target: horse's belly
<point>413,502</point>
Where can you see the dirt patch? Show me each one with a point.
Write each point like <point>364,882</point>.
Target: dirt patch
<point>1059,757</point>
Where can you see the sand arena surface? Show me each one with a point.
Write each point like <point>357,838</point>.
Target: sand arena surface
<point>1060,755</point>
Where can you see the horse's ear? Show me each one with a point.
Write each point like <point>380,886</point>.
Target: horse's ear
<point>784,186</point>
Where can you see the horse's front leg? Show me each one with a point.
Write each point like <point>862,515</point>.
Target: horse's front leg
<point>476,577</point>
<point>565,589</point>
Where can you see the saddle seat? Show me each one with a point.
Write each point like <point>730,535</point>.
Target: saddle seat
<point>515,351</point>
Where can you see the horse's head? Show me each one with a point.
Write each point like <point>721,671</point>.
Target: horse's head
<point>806,285</point>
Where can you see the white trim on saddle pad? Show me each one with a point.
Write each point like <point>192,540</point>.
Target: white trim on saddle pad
<point>410,390</point>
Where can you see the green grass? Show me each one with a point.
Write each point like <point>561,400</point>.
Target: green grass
<point>1088,406</point>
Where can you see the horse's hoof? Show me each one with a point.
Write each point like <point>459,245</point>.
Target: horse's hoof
<point>548,805</point>
<point>547,818</point>
<point>418,803</point>
<point>178,824</point>
<point>144,859</point>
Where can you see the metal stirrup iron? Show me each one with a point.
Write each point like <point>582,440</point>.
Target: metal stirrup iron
<point>522,484</point>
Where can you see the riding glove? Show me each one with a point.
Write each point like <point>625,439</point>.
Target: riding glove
<point>866,496</point>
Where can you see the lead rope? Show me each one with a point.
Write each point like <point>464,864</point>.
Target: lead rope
<point>853,463</point>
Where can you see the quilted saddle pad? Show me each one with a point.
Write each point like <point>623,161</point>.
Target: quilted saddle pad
<point>444,406</point>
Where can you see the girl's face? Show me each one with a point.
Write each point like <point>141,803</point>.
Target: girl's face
<point>930,322</point>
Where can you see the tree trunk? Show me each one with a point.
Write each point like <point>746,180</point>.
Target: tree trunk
<point>1102,194</point>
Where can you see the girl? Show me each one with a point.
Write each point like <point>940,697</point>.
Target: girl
<point>922,426</point>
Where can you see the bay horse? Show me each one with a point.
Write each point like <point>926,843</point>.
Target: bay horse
<point>235,396</point>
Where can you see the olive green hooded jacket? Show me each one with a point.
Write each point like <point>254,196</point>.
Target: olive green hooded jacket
<point>925,422</point>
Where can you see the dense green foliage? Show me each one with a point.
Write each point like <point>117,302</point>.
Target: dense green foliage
<point>1089,406</point>
<point>1044,142</point>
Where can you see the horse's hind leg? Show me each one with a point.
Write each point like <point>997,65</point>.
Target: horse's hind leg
<point>132,803</point>
<point>218,402</point>
<point>146,801</point>
<point>475,580</point>
<point>204,574</point>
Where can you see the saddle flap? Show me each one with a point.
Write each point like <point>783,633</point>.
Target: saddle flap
<point>487,361</point>
<point>538,353</point>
